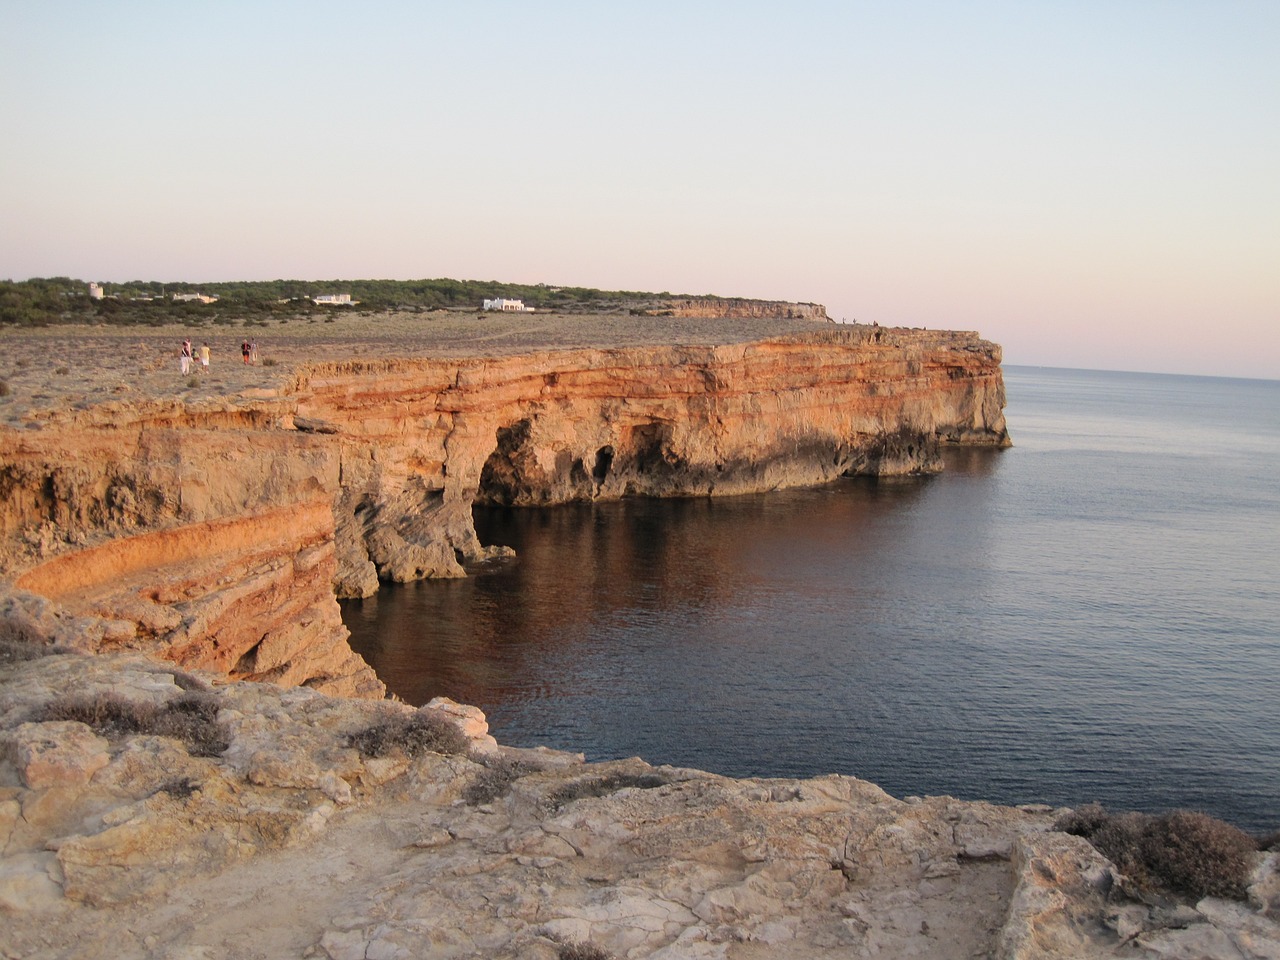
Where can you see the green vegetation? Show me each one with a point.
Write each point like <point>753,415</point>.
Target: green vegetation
<point>1182,852</point>
<point>45,301</point>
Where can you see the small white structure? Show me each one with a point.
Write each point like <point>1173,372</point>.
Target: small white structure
<point>335,299</point>
<point>507,306</point>
<point>193,297</point>
<point>95,291</point>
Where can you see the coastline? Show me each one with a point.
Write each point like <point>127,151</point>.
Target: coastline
<point>636,860</point>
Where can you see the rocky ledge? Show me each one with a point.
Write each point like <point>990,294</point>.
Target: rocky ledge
<point>276,824</point>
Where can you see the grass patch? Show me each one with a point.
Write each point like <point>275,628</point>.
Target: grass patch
<point>1182,852</point>
<point>189,717</point>
<point>411,735</point>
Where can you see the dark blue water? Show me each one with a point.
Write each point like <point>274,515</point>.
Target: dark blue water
<point>1091,615</point>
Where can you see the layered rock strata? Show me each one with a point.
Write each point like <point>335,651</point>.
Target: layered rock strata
<point>217,534</point>
<point>289,841</point>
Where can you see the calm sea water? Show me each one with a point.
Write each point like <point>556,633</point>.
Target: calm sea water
<point>1093,614</point>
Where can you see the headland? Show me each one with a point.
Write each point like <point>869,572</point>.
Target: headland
<point>165,536</point>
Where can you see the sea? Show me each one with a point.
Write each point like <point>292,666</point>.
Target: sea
<point>1090,615</point>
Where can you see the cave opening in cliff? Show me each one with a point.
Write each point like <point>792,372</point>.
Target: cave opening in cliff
<point>604,460</point>
<point>503,479</point>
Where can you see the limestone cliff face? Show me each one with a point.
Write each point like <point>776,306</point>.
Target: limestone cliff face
<point>217,535</point>
<point>423,440</point>
<point>717,307</point>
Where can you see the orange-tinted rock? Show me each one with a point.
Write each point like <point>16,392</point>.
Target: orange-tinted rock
<point>218,535</point>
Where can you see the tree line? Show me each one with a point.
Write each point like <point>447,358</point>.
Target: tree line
<point>43,301</point>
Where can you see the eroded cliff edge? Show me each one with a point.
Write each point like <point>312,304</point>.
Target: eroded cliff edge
<point>217,533</point>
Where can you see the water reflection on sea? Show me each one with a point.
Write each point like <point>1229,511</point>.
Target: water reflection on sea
<point>1089,615</point>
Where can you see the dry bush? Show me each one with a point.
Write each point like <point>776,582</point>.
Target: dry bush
<point>583,951</point>
<point>187,681</point>
<point>495,779</point>
<point>189,717</point>
<point>603,786</point>
<point>19,651</point>
<point>4,388</point>
<point>412,735</point>
<point>1181,852</point>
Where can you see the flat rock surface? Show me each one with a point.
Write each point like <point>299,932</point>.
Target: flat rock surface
<point>48,368</point>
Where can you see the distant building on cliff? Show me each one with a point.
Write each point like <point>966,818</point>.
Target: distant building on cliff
<point>335,299</point>
<point>508,306</point>
<point>194,298</point>
<point>95,291</point>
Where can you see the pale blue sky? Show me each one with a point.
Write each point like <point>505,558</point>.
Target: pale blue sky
<point>1090,184</point>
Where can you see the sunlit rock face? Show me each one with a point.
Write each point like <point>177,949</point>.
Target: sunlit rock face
<point>218,534</point>
<point>424,440</point>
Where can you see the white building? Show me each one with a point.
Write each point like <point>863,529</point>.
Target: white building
<point>193,297</point>
<point>508,306</point>
<point>95,291</point>
<point>338,299</point>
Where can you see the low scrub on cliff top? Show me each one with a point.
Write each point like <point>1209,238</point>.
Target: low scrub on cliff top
<point>1182,852</point>
<point>19,651</point>
<point>190,717</point>
<point>582,951</point>
<point>603,786</point>
<point>413,735</point>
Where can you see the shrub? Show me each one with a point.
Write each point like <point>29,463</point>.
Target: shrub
<point>18,651</point>
<point>179,788</point>
<point>189,717</point>
<point>412,735</point>
<point>62,371</point>
<point>495,780</point>
<point>4,388</point>
<point>1181,852</point>
<point>583,951</point>
<point>603,786</point>
<point>269,362</point>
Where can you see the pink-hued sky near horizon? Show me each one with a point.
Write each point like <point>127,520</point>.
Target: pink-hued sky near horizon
<point>1091,184</point>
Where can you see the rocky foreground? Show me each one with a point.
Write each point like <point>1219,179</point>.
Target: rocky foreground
<point>276,830</point>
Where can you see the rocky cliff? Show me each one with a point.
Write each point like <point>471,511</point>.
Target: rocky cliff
<point>286,823</point>
<point>737,308</point>
<point>218,532</point>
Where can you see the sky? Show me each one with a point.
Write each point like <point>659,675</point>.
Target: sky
<point>1090,183</point>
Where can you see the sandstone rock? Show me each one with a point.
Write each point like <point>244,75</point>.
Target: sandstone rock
<point>56,754</point>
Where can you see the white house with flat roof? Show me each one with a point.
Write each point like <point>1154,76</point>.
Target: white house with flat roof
<point>338,299</point>
<point>508,306</point>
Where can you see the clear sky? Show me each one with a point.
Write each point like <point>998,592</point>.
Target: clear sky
<point>1091,183</point>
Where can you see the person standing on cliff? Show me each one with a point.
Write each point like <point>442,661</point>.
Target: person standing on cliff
<point>244,351</point>
<point>184,358</point>
<point>204,357</point>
